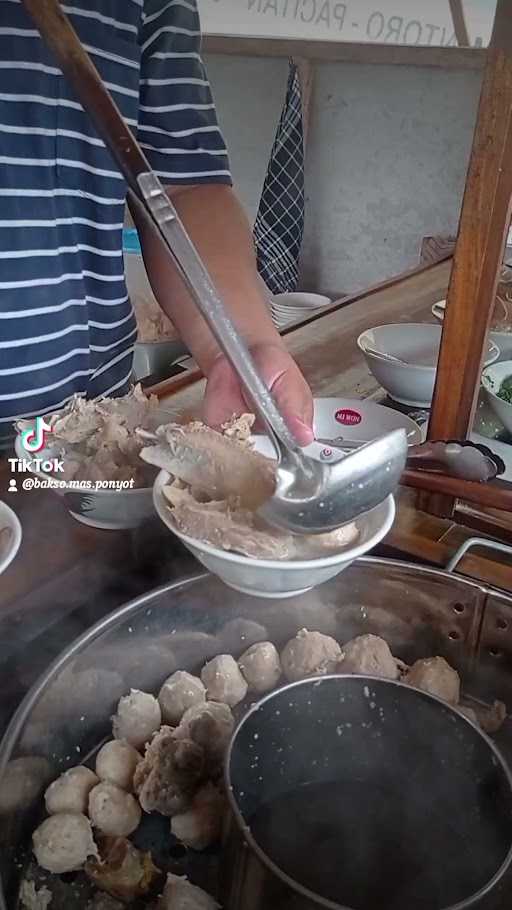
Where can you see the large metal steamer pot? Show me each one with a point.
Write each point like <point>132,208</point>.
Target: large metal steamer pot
<point>420,611</point>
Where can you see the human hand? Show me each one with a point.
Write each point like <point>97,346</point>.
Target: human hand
<point>225,397</point>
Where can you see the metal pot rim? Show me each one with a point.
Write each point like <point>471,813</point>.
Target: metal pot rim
<point>286,879</point>
<point>120,614</point>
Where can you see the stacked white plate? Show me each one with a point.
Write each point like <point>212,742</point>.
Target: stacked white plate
<point>294,307</point>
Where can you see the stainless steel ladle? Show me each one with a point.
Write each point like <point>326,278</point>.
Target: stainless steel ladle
<point>310,496</point>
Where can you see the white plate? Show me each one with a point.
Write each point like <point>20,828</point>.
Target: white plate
<point>9,519</point>
<point>300,300</point>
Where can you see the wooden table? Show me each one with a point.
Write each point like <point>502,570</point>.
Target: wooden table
<point>325,347</point>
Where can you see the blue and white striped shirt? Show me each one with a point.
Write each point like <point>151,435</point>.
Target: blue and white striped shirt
<point>66,323</point>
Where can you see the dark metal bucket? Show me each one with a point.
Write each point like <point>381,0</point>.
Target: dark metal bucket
<point>353,793</point>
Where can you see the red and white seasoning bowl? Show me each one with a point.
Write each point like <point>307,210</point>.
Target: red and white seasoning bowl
<point>352,420</point>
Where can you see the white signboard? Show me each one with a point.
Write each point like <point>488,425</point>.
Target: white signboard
<point>384,21</point>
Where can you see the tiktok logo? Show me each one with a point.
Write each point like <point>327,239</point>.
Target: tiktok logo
<point>34,439</point>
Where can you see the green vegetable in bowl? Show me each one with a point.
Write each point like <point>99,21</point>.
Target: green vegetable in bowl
<point>505,391</point>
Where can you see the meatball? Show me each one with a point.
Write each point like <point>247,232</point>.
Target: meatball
<point>170,773</point>
<point>368,655</point>
<point>138,717</point>
<point>179,693</point>
<point>179,894</point>
<point>310,654</point>
<point>70,792</point>
<point>209,726</point>
<point>491,718</point>
<point>116,762</point>
<point>261,667</point>
<point>240,633</point>
<point>113,811</point>
<point>64,842</point>
<point>201,825</point>
<point>434,675</point>
<point>223,680</point>
<point>32,898</point>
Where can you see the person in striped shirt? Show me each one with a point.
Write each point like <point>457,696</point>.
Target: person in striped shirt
<point>66,323</point>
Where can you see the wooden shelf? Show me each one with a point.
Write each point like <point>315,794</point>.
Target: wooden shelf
<point>347,52</point>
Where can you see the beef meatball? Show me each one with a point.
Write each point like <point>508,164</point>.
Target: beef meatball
<point>138,717</point>
<point>70,792</point>
<point>209,726</point>
<point>179,693</point>
<point>310,654</point>
<point>201,825</point>
<point>113,811</point>
<point>435,675</point>
<point>171,772</point>
<point>116,762</point>
<point>64,842</point>
<point>261,667</point>
<point>368,655</point>
<point>223,680</point>
<point>179,894</point>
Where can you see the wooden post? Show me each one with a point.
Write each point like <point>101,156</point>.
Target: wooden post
<point>459,23</point>
<point>483,226</point>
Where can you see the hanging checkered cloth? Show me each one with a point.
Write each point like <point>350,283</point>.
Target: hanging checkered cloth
<point>279,225</point>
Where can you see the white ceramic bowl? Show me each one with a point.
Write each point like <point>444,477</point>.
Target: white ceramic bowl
<point>410,383</point>
<point>492,378</point>
<point>334,417</point>
<point>503,340</point>
<point>108,510</point>
<point>272,578</point>
<point>9,548</point>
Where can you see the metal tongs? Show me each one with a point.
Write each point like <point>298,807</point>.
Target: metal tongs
<point>310,496</point>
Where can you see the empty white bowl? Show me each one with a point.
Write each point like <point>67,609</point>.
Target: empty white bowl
<point>503,340</point>
<point>11,540</point>
<point>492,378</point>
<point>411,382</point>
